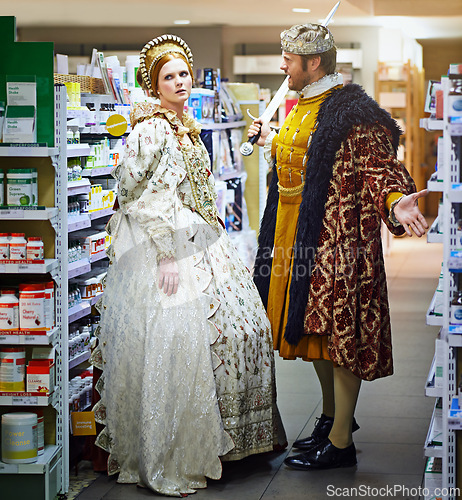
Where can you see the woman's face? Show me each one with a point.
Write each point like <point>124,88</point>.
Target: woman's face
<point>174,84</point>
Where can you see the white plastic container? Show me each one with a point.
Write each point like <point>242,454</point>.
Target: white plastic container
<point>12,369</point>
<point>34,248</point>
<point>9,310</point>
<point>19,187</point>
<point>19,438</point>
<point>40,432</point>
<point>32,306</point>
<point>18,246</point>
<point>5,245</point>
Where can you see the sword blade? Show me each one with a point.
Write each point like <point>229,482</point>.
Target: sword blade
<point>329,17</point>
<point>275,101</point>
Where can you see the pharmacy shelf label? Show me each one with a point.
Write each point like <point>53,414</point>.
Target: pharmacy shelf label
<point>28,266</point>
<point>24,398</point>
<point>97,171</point>
<point>29,213</point>
<point>98,214</point>
<point>78,267</point>
<point>78,222</point>
<point>78,187</point>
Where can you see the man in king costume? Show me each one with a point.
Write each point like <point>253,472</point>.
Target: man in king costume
<point>319,267</point>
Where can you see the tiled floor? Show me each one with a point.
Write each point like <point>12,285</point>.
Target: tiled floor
<point>393,413</point>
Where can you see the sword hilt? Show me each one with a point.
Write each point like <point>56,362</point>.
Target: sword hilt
<point>246,148</point>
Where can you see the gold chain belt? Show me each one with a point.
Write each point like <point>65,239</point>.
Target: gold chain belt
<point>290,192</point>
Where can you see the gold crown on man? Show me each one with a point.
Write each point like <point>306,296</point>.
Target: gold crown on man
<point>307,39</point>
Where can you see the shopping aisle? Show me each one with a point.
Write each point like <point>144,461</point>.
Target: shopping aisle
<point>393,413</point>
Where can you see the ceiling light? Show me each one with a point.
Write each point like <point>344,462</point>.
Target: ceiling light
<point>182,21</point>
<point>304,11</point>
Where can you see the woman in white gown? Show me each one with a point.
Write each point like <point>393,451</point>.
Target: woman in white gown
<point>184,344</point>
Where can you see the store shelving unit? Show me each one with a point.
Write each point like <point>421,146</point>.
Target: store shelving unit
<point>51,468</point>
<point>450,336</point>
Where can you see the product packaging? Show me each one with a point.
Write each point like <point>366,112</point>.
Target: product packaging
<point>19,438</point>
<point>32,307</point>
<point>40,375</point>
<point>12,369</point>
<point>9,310</point>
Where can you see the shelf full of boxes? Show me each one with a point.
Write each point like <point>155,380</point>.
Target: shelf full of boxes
<point>92,153</point>
<point>33,326</point>
<point>444,102</point>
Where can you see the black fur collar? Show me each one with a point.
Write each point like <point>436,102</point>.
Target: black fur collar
<point>343,109</point>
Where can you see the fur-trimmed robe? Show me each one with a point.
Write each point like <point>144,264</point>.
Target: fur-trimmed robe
<point>338,283</point>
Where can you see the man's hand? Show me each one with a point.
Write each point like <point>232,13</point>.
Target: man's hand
<point>256,127</point>
<point>168,276</point>
<point>408,214</point>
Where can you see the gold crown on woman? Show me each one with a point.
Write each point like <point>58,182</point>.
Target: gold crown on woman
<point>157,48</point>
<point>306,39</point>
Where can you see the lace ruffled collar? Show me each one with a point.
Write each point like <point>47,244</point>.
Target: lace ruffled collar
<point>322,85</point>
<point>145,110</point>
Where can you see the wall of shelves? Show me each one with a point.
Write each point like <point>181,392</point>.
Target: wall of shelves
<point>450,335</point>
<point>49,475</point>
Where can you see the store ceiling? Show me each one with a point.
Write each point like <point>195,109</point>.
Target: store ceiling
<point>419,18</point>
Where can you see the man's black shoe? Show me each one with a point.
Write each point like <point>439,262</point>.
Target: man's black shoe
<point>323,456</point>
<point>321,431</point>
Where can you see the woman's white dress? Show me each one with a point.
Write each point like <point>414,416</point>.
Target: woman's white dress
<point>188,379</point>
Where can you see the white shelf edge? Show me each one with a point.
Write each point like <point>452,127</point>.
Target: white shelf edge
<point>78,187</point>
<point>454,340</point>
<point>30,399</point>
<point>433,236</point>
<point>79,311</point>
<point>455,196</point>
<point>431,124</point>
<point>32,214</point>
<point>79,359</point>
<point>98,214</point>
<point>27,151</point>
<point>48,266</point>
<point>77,222</point>
<point>75,150</point>
<point>96,171</point>
<point>432,450</point>
<point>430,390</point>
<point>455,129</point>
<point>95,257</point>
<point>32,339</point>
<point>38,467</point>
<point>432,319</point>
<point>78,268</point>
<point>435,186</point>
<point>94,300</point>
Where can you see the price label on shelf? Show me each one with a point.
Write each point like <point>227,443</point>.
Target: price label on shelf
<point>10,214</point>
<point>25,400</point>
<point>30,339</point>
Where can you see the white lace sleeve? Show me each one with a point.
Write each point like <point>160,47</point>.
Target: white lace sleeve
<point>147,189</point>
<point>268,146</point>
